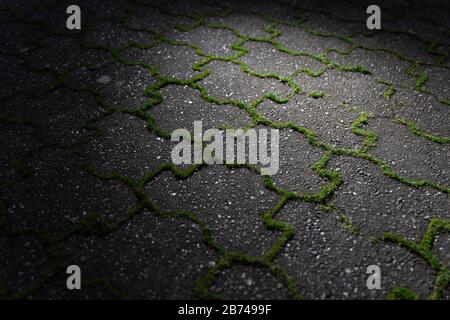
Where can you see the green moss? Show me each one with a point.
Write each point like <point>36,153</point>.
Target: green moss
<point>316,94</point>
<point>370,137</point>
<point>201,288</point>
<point>421,80</point>
<point>423,250</point>
<point>413,128</point>
<point>402,293</point>
<point>411,70</point>
<point>389,92</point>
<point>349,107</point>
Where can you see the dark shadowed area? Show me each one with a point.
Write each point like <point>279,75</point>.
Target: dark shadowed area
<point>86,176</point>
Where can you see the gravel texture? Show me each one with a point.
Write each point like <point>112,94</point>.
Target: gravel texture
<point>86,175</point>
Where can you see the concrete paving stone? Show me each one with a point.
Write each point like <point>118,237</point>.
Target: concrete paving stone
<point>25,34</point>
<point>127,147</point>
<point>296,172</point>
<point>325,22</point>
<point>328,119</point>
<point>14,135</point>
<point>150,257</point>
<point>122,86</point>
<point>274,61</point>
<point>114,35</point>
<point>60,115</point>
<point>297,39</point>
<point>245,24</point>
<point>399,43</point>
<point>409,155</point>
<point>423,29</point>
<point>428,114</point>
<point>383,66</point>
<point>194,8</point>
<point>17,141</point>
<point>64,54</point>
<point>437,83</point>
<point>96,289</point>
<point>52,15</point>
<point>436,13</point>
<point>101,10</point>
<point>266,10</point>
<point>171,61</point>
<point>245,282</point>
<point>342,87</point>
<point>59,193</point>
<point>215,42</point>
<point>183,105</point>
<point>440,245</point>
<point>150,18</point>
<point>48,17</point>
<point>231,202</point>
<point>60,138</point>
<point>228,82</point>
<point>13,70</point>
<point>354,11</point>
<point>24,260</point>
<point>335,263</point>
<point>377,204</point>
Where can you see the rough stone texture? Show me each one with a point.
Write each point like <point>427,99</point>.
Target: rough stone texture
<point>86,175</point>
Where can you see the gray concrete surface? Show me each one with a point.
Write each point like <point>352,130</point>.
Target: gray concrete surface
<point>86,175</point>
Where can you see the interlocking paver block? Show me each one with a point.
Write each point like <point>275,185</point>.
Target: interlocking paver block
<point>86,173</point>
